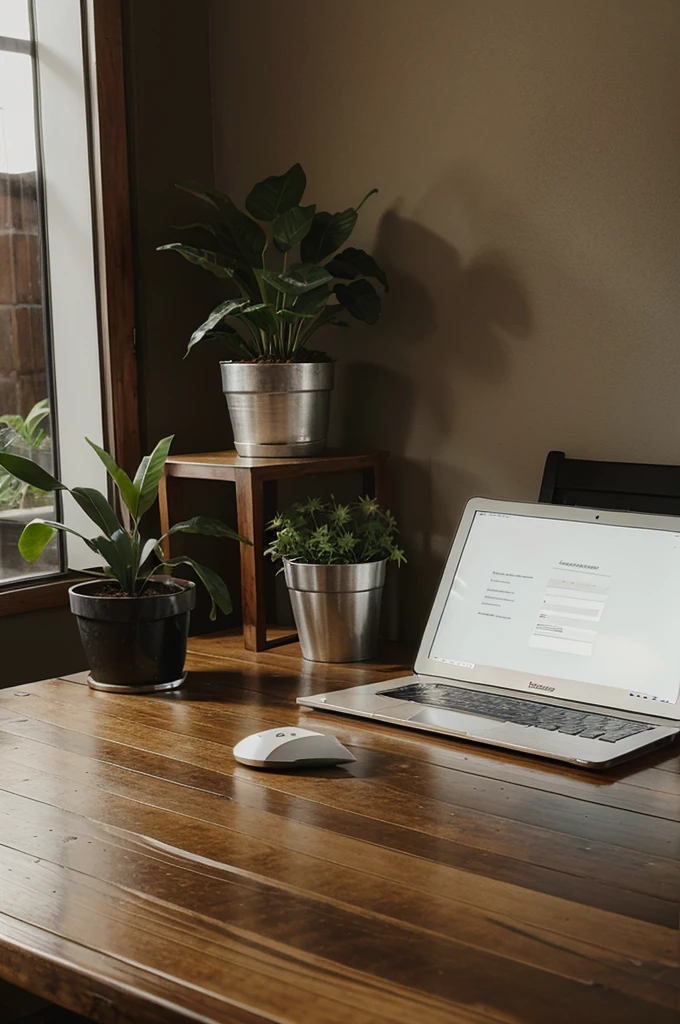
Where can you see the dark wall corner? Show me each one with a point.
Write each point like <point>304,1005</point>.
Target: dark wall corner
<point>39,645</point>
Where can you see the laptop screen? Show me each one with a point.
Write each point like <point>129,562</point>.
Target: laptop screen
<point>559,600</point>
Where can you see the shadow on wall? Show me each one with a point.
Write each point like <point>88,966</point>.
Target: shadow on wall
<point>444,322</point>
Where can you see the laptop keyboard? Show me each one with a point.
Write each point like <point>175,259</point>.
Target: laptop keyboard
<point>589,725</point>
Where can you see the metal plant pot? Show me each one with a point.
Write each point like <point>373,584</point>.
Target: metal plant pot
<point>336,608</point>
<point>134,644</point>
<point>278,410</point>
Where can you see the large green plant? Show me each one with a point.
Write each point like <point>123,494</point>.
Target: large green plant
<point>130,559</point>
<point>328,533</point>
<point>29,434</point>
<point>276,308</point>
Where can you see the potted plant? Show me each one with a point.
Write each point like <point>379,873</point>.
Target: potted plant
<point>133,621</point>
<point>287,279</point>
<point>18,501</point>
<point>334,559</point>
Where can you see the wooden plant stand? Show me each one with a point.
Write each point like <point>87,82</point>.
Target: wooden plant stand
<point>255,481</point>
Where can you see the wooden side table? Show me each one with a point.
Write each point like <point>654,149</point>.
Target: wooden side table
<point>255,481</point>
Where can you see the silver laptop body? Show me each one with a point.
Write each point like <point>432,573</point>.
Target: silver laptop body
<point>555,631</point>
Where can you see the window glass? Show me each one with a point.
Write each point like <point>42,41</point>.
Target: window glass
<point>25,415</point>
<point>14,19</point>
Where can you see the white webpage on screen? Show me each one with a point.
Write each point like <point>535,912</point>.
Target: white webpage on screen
<point>568,600</point>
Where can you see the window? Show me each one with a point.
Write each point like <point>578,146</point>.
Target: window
<point>50,359</point>
<point>25,420</point>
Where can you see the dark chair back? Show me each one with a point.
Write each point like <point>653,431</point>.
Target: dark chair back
<point>629,486</point>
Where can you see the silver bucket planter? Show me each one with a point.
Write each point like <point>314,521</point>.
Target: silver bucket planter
<point>336,609</point>
<point>278,410</point>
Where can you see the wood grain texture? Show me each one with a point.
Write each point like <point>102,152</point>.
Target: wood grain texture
<point>225,465</point>
<point>145,876</point>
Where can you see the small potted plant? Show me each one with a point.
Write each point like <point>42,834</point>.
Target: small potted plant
<point>19,502</point>
<point>133,621</point>
<point>334,559</point>
<point>277,389</point>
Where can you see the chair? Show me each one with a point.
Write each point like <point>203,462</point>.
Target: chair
<point>628,486</point>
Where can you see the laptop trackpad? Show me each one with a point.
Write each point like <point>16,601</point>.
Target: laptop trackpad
<point>458,722</point>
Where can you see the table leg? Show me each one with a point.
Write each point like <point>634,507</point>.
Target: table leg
<point>270,510</point>
<point>250,518</point>
<point>375,480</point>
<point>170,506</point>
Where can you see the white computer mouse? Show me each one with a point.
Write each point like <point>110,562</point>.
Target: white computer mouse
<point>291,748</point>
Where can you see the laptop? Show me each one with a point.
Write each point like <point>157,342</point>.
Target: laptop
<point>555,631</point>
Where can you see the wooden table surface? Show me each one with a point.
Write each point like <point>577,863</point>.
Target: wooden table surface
<point>145,876</point>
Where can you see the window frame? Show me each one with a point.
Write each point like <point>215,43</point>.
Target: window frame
<point>113,261</point>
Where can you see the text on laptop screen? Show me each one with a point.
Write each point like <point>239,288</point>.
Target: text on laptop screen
<point>566,600</point>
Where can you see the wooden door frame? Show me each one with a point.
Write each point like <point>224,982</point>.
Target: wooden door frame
<point>111,186</point>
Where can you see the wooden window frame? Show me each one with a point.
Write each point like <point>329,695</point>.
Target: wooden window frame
<point>115,274</point>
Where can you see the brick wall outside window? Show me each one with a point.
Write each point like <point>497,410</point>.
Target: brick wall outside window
<point>22,346</point>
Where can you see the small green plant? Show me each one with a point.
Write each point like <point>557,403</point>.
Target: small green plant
<point>276,309</point>
<point>328,533</point>
<point>130,559</point>
<point>26,434</point>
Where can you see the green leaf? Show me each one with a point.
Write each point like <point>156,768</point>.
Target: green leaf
<point>215,262</point>
<point>38,413</point>
<point>39,532</point>
<point>213,583</point>
<point>298,279</point>
<point>13,421</point>
<point>29,472</point>
<point>329,315</point>
<point>312,302</point>
<point>238,346</point>
<point>277,194</point>
<point>219,313</point>
<point>360,299</point>
<point>261,315</point>
<point>141,470</point>
<point>128,491</point>
<point>120,557</point>
<point>328,232</point>
<point>149,474</point>
<point>371,192</point>
<point>34,539</point>
<point>351,263</point>
<point>207,528</point>
<point>246,234</point>
<point>97,508</point>
<point>292,316</point>
<point>292,226</point>
<point>147,550</point>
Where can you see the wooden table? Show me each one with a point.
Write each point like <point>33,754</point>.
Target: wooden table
<point>145,876</point>
<point>255,481</point>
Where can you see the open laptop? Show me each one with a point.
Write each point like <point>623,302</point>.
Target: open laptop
<point>555,631</point>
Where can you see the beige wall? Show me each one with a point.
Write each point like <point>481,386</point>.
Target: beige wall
<point>528,158</point>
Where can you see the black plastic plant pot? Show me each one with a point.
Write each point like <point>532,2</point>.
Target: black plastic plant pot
<point>134,644</point>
